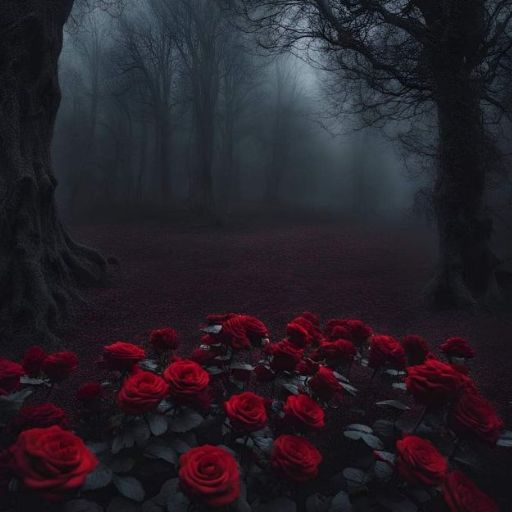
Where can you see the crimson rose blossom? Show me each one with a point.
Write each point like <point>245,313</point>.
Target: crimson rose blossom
<point>296,458</point>
<point>209,475</point>
<point>52,461</point>
<point>386,350</point>
<point>285,356</point>
<point>416,349</point>
<point>307,367</point>
<point>354,330</point>
<point>303,411</point>
<point>473,414</point>
<point>10,374</point>
<point>246,412</point>
<point>88,392</point>
<point>164,339</point>
<point>339,351</point>
<point>60,365</point>
<point>238,331</point>
<point>324,384</point>
<point>32,361</point>
<point>122,356</point>
<point>419,462</point>
<point>141,393</point>
<point>312,328</point>
<point>457,347</point>
<point>39,416</point>
<point>462,495</point>
<point>188,382</point>
<point>298,335</point>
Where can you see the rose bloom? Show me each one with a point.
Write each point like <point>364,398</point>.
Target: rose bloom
<point>122,356</point>
<point>307,367</point>
<point>209,475</point>
<point>419,462</point>
<point>141,393</point>
<point>296,458</point>
<point>38,416</point>
<point>188,382</point>
<point>416,349</point>
<point>241,331</point>
<point>473,414</point>
<point>89,392</point>
<point>434,383</point>
<point>354,330</point>
<point>457,347</point>
<point>164,339</point>
<point>52,461</point>
<point>312,328</point>
<point>386,350</point>
<point>10,374</point>
<point>32,361</point>
<point>313,318</point>
<point>324,384</point>
<point>339,351</point>
<point>246,411</point>
<point>298,335</point>
<point>59,366</point>
<point>303,411</point>
<point>462,495</point>
<point>285,356</point>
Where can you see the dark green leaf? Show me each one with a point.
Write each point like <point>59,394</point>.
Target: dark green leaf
<point>161,451</point>
<point>359,427</point>
<point>129,487</point>
<point>122,464</point>
<point>81,506</point>
<point>157,424</point>
<point>98,479</point>
<point>185,420</point>
<point>393,404</point>
<point>341,503</point>
<point>318,503</point>
<point>178,503</point>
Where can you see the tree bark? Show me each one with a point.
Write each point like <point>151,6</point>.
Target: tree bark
<point>40,264</point>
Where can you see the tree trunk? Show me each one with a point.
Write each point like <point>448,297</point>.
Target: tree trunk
<point>40,264</point>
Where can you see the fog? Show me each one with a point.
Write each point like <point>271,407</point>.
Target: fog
<point>152,123</point>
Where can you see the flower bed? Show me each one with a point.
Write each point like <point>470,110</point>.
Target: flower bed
<point>238,425</point>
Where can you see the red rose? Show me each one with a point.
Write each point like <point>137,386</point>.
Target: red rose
<point>298,335</point>
<point>386,350</point>
<point>296,458</point>
<point>303,411</point>
<point>313,329</point>
<point>462,495</point>
<point>51,460</point>
<point>38,416</point>
<point>60,365</point>
<point>324,384</point>
<point>141,393</point>
<point>164,339</point>
<point>336,352</point>
<point>311,317</point>
<point>434,383</point>
<point>457,347</point>
<point>122,356</point>
<point>473,414</point>
<point>88,392</point>
<point>356,330</point>
<point>307,366</point>
<point>419,462</point>
<point>246,412</point>
<point>32,361</point>
<point>238,331</point>
<point>263,373</point>
<point>209,475</point>
<point>416,349</point>
<point>188,382</point>
<point>285,356</point>
<point>207,354</point>
<point>10,374</point>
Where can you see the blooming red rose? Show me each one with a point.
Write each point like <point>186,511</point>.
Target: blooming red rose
<point>462,495</point>
<point>122,356</point>
<point>457,347</point>
<point>307,366</point>
<point>188,382</point>
<point>263,373</point>
<point>434,383</point>
<point>355,330</point>
<point>10,374</point>
<point>336,352</point>
<point>164,339</point>
<point>89,392</point>
<point>298,335</point>
<point>208,355</point>
<point>141,393</point>
<point>246,411</point>
<point>303,411</point>
<point>473,414</point>
<point>419,462</point>
<point>324,384</point>
<point>209,475</point>
<point>59,365</point>
<point>51,460</point>
<point>386,350</point>
<point>285,356</point>
<point>32,361</point>
<point>311,317</point>
<point>238,331</point>
<point>38,416</point>
<point>416,349</point>
<point>296,458</point>
<point>313,329</point>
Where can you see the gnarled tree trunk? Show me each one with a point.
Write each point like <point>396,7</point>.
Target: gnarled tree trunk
<point>40,264</point>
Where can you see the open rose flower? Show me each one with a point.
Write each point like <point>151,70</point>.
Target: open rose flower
<point>416,349</point>
<point>336,352</point>
<point>60,365</point>
<point>312,328</point>
<point>325,385</point>
<point>32,361</point>
<point>38,416</point>
<point>354,330</point>
<point>462,495</point>
<point>303,411</point>
<point>10,374</point>
<point>163,340</point>
<point>188,383</point>
<point>141,393</point>
<point>52,461</point>
<point>457,347</point>
<point>298,335</point>
<point>307,366</point>
<point>434,383</point>
<point>419,462</point>
<point>238,331</point>
<point>246,412</point>
<point>386,351</point>
<point>296,458</point>
<point>209,475</point>
<point>285,356</point>
<point>473,414</point>
<point>122,356</point>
